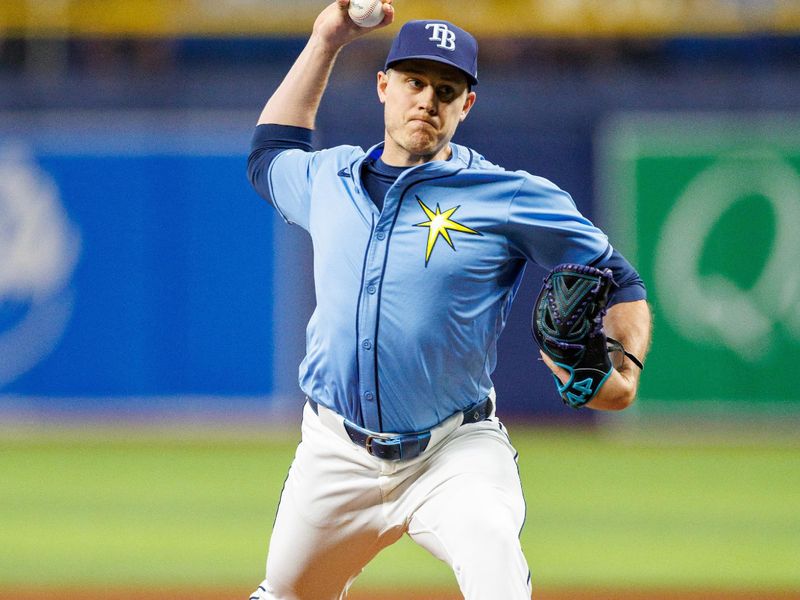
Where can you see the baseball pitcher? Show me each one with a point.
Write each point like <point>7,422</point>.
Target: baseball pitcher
<point>419,248</point>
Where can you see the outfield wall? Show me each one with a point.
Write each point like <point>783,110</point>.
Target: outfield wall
<point>140,274</point>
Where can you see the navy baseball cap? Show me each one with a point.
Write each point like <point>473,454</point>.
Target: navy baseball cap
<point>439,41</point>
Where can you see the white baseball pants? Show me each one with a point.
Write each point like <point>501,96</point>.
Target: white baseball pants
<point>461,500</point>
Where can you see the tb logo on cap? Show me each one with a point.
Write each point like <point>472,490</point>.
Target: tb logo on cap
<point>443,35</point>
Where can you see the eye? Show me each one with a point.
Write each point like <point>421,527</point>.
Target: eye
<point>446,93</point>
<point>415,83</point>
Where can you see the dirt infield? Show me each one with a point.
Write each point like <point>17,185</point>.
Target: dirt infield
<point>173,594</point>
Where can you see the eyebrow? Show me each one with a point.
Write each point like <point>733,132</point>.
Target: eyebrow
<point>444,77</point>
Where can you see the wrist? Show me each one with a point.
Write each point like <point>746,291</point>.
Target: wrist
<point>618,392</point>
<point>323,46</point>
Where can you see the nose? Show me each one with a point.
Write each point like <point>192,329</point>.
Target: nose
<point>427,100</point>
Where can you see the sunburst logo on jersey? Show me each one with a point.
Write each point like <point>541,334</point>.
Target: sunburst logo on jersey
<point>440,224</point>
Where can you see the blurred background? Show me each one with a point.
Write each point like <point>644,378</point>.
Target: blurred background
<point>152,307</point>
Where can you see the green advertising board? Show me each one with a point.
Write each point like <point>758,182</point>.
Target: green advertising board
<point>707,207</point>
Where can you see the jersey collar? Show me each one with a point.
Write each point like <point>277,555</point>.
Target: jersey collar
<point>462,157</point>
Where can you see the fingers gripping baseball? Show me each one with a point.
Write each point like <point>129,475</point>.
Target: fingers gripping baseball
<point>366,13</point>
<point>336,25</point>
<point>369,14</point>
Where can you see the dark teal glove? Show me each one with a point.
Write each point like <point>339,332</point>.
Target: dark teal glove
<point>567,324</point>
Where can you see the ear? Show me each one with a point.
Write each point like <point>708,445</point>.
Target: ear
<point>382,82</point>
<point>468,104</point>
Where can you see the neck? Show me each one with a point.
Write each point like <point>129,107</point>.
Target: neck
<point>395,156</point>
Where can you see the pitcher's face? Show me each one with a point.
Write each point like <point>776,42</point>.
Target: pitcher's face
<point>424,102</point>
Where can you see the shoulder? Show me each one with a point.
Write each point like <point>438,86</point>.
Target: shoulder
<point>334,156</point>
<point>343,154</point>
<point>477,166</point>
<point>338,155</point>
<point>471,160</point>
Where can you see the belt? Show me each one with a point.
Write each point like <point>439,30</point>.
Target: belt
<point>405,446</point>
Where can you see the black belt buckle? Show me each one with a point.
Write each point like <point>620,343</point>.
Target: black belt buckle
<point>408,445</point>
<point>401,447</point>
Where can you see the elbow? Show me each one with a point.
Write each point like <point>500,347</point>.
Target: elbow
<point>621,401</point>
<point>616,394</point>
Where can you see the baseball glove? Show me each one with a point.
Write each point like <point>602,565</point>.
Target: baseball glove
<point>567,325</point>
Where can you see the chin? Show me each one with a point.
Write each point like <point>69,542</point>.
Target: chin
<point>419,147</point>
<point>421,151</point>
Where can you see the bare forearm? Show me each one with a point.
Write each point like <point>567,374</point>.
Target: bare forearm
<point>297,99</point>
<point>630,324</point>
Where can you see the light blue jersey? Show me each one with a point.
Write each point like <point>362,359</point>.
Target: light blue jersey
<point>412,299</point>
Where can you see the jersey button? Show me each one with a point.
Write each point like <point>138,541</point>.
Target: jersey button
<point>368,396</point>
<point>366,344</point>
<point>380,235</point>
<point>371,289</point>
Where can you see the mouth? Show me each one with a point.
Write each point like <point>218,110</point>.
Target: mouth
<point>425,121</point>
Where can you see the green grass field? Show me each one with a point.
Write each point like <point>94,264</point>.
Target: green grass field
<point>129,507</point>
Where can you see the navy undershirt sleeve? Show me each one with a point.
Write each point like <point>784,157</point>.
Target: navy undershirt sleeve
<point>269,141</point>
<point>630,286</point>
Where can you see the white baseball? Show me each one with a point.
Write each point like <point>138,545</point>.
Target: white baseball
<point>366,13</point>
